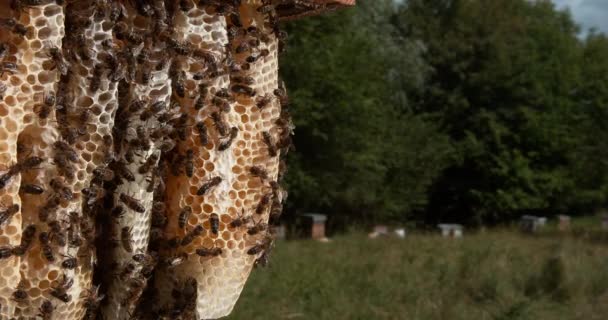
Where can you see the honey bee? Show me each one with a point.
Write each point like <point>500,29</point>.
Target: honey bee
<point>281,94</point>
<point>214,222</point>
<point>223,105</point>
<point>44,109</point>
<point>184,214</point>
<point>20,294</point>
<point>208,185</point>
<point>60,292</point>
<point>266,244</point>
<point>8,213</point>
<point>263,101</point>
<point>49,207</point>
<point>9,67</point>
<point>69,263</point>
<point>57,233</point>
<point>16,28</point>
<point>240,220</point>
<point>91,303</point>
<point>167,145</point>
<point>206,252</point>
<point>224,145</point>
<point>189,237</point>
<point>136,287</point>
<point>66,169</point>
<point>149,164</point>
<point>189,163</point>
<point>132,203</point>
<point>30,163</point>
<point>146,75</point>
<point>95,80</point>
<point>179,88</point>
<point>258,171</point>
<point>47,250</point>
<point>46,310</point>
<point>125,237</point>
<point>103,174</point>
<point>6,252</point>
<point>120,168</point>
<point>257,228</point>
<point>63,191</point>
<point>201,128</point>
<point>66,150</point>
<point>272,148</point>
<point>27,236</point>
<point>263,204</point>
<point>117,212</point>
<point>126,272</point>
<point>244,80</point>
<point>58,61</point>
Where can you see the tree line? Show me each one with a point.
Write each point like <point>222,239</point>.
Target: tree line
<point>470,111</point>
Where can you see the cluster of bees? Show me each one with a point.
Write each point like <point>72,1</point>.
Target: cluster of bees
<point>127,60</point>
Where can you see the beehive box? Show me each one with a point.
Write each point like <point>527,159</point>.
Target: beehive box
<point>140,154</point>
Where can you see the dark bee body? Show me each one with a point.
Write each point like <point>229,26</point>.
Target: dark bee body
<point>127,270</point>
<point>61,294</point>
<point>240,220</point>
<point>189,237</point>
<point>59,62</point>
<point>103,174</point>
<point>49,207</point>
<point>62,191</point>
<point>201,128</point>
<point>149,164</point>
<point>117,212</point>
<point>69,263</point>
<point>257,228</point>
<point>66,150</point>
<point>219,123</point>
<point>208,185</point>
<point>244,90</point>
<point>125,237</point>
<point>30,163</point>
<point>8,213</point>
<point>121,169</point>
<point>263,204</point>
<point>48,102</point>
<point>183,216</point>
<point>46,310</point>
<point>47,251</point>
<point>5,252</point>
<point>91,303</point>
<point>132,203</point>
<point>20,294</point>
<point>258,171</point>
<point>272,148</point>
<point>27,237</point>
<point>214,222</point>
<point>95,81</point>
<point>205,252</point>
<point>31,188</point>
<point>189,163</point>
<point>224,145</point>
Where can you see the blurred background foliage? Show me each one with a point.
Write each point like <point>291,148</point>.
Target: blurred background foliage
<point>470,111</point>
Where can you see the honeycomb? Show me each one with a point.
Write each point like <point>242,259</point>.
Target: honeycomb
<point>140,155</point>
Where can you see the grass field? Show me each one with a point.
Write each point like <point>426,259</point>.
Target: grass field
<point>494,275</point>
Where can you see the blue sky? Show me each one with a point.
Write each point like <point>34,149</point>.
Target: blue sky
<point>588,13</point>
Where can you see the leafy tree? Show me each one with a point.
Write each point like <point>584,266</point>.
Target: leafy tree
<point>503,72</point>
<point>360,152</point>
